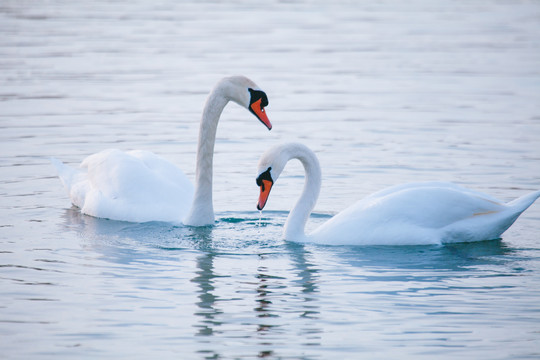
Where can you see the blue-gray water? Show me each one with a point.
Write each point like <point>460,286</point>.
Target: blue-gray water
<point>385,92</point>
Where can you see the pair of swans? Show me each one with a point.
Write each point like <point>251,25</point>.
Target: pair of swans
<point>139,186</point>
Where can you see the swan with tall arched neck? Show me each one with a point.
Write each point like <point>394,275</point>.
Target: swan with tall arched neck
<point>139,186</point>
<point>413,213</point>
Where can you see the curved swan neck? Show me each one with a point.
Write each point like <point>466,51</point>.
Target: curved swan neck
<point>202,210</point>
<point>296,222</point>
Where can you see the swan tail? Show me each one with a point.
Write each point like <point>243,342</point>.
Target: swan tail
<point>522,203</point>
<point>490,225</point>
<point>65,173</point>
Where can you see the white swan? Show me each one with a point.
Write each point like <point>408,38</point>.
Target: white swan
<point>414,213</point>
<point>139,186</point>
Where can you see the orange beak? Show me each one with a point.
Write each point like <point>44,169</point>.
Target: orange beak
<point>259,112</point>
<point>266,186</point>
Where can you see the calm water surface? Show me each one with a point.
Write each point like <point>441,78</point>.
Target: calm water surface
<point>385,92</point>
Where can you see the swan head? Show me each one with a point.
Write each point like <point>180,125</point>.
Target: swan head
<point>246,93</point>
<point>265,182</point>
<point>270,167</point>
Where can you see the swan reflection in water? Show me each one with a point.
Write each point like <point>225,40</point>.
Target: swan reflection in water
<point>273,290</point>
<point>270,290</point>
<point>282,290</point>
<point>204,278</point>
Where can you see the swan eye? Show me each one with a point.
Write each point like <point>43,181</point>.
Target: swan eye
<point>264,176</point>
<point>264,100</point>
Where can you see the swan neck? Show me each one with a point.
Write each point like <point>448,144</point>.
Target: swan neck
<point>299,215</point>
<point>202,211</point>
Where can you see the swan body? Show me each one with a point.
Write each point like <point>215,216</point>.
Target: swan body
<point>139,186</point>
<point>413,213</point>
<point>134,186</point>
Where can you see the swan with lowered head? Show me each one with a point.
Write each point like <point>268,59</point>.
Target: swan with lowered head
<point>413,213</point>
<point>139,186</point>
